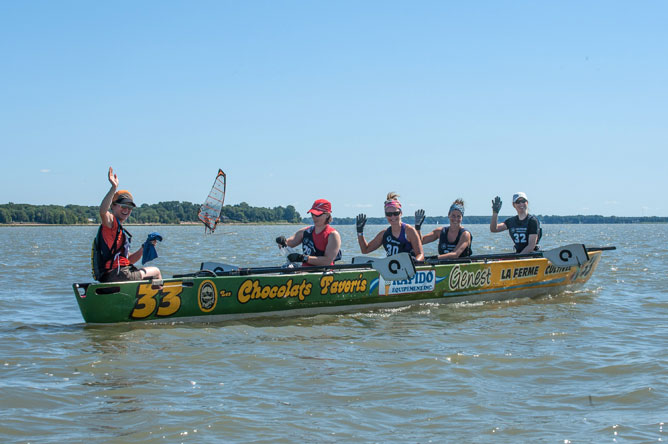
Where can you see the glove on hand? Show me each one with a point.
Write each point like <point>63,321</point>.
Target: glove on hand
<point>419,219</point>
<point>296,257</point>
<point>361,221</point>
<point>280,240</point>
<point>496,204</point>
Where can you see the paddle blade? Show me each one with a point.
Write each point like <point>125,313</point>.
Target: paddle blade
<point>568,255</point>
<point>392,268</point>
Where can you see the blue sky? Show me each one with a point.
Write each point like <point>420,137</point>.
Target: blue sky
<point>346,100</point>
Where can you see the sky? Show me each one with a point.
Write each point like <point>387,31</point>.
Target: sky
<point>344,100</point>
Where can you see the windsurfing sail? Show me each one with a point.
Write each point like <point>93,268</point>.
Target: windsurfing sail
<point>211,210</point>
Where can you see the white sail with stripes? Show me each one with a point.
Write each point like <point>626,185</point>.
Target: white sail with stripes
<point>211,210</point>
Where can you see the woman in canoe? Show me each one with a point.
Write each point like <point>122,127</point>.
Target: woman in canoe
<point>321,244</point>
<point>399,237</point>
<point>112,260</point>
<point>453,241</point>
<point>524,229</point>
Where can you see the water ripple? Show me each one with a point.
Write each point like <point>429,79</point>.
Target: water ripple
<point>583,366</point>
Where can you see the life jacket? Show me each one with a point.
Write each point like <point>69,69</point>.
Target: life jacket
<point>308,242</point>
<point>101,254</point>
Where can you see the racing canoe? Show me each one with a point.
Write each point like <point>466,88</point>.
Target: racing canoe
<point>218,293</point>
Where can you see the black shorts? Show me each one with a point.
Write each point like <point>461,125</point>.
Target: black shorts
<point>128,273</point>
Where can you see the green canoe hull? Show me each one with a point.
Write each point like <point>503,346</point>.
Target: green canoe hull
<point>216,298</point>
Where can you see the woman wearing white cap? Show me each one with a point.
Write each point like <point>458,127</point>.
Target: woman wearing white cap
<point>524,229</point>
<point>398,238</point>
<point>321,244</point>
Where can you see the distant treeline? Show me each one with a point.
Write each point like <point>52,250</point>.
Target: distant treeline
<point>160,213</point>
<point>186,212</point>
<point>579,219</point>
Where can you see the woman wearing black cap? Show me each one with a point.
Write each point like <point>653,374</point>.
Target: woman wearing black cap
<point>524,229</point>
<point>321,244</point>
<point>114,260</point>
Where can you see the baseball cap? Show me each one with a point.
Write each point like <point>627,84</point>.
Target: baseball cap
<point>123,197</point>
<point>320,206</point>
<point>519,195</point>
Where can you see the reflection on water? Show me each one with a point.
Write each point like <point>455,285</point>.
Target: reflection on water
<point>585,366</point>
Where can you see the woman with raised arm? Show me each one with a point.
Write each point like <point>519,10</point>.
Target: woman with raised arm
<point>524,229</point>
<point>399,237</point>
<point>113,261</point>
<point>454,240</point>
<point>321,244</point>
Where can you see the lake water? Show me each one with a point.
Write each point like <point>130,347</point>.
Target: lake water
<point>588,366</point>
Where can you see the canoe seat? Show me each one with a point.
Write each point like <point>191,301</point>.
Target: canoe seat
<point>217,267</point>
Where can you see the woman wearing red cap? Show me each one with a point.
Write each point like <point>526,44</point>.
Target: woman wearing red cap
<point>321,244</point>
<point>398,238</point>
<point>113,242</point>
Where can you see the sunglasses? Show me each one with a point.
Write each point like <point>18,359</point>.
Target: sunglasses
<point>129,207</point>
<point>521,201</point>
<point>393,213</point>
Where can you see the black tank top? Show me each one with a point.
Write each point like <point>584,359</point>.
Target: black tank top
<point>445,247</point>
<point>394,245</point>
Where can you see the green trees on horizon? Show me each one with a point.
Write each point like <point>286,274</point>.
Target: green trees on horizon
<point>174,212</point>
<point>47,214</point>
<point>544,219</point>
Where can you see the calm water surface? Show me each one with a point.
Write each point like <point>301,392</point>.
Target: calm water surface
<point>588,366</point>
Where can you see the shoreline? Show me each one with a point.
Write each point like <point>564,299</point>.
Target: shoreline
<point>186,224</point>
<point>189,224</point>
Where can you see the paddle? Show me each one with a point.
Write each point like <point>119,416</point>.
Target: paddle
<point>399,270</point>
<point>391,268</point>
<point>571,255</point>
<point>568,255</point>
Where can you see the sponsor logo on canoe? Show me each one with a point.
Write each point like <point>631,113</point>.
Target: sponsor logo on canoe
<point>330,285</point>
<point>423,281</point>
<point>551,269</point>
<point>251,289</point>
<point>519,272</point>
<point>207,296</point>
<point>462,278</point>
